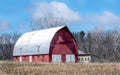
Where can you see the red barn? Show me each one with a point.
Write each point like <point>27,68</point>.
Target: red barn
<point>48,45</point>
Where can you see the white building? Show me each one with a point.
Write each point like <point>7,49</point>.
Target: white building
<point>87,57</point>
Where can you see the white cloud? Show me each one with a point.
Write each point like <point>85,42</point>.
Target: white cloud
<point>57,9</point>
<point>107,18</point>
<point>4,26</point>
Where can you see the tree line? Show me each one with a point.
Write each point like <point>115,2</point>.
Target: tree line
<point>7,42</point>
<point>105,44</point>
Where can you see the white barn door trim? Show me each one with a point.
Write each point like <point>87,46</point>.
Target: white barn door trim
<point>56,58</point>
<point>20,58</point>
<point>70,58</point>
<point>30,58</point>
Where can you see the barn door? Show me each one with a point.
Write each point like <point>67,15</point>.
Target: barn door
<point>56,58</point>
<point>70,58</point>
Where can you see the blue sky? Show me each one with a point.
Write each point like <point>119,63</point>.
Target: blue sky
<point>86,15</point>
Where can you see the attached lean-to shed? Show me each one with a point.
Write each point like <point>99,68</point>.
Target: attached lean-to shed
<point>48,45</point>
<point>87,57</point>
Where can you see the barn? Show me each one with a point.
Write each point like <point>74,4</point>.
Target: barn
<point>47,45</point>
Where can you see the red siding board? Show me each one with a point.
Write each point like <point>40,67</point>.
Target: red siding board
<point>41,58</point>
<point>46,58</point>
<point>16,59</point>
<point>35,58</point>
<point>63,57</point>
<point>25,58</point>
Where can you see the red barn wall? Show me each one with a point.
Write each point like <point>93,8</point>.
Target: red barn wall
<point>64,43</point>
<point>63,57</point>
<point>25,58</point>
<point>16,58</point>
<point>46,58</point>
<point>35,58</point>
<point>41,58</point>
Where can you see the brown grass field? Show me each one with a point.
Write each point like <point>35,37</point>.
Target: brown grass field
<point>13,68</point>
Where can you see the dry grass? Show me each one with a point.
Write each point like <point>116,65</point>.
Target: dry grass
<point>12,68</point>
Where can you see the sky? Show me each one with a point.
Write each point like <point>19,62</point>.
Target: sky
<point>79,15</point>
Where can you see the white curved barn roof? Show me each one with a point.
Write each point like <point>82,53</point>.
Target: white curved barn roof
<point>36,42</point>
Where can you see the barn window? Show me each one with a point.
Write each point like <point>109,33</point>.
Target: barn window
<point>85,59</point>
<point>81,59</point>
<point>88,59</point>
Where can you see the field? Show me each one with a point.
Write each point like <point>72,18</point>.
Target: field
<point>12,68</point>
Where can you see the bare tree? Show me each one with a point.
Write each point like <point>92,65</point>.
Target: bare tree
<point>7,42</point>
<point>105,44</point>
<point>116,44</point>
<point>47,22</point>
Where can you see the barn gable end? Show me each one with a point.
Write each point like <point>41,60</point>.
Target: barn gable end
<point>64,44</point>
